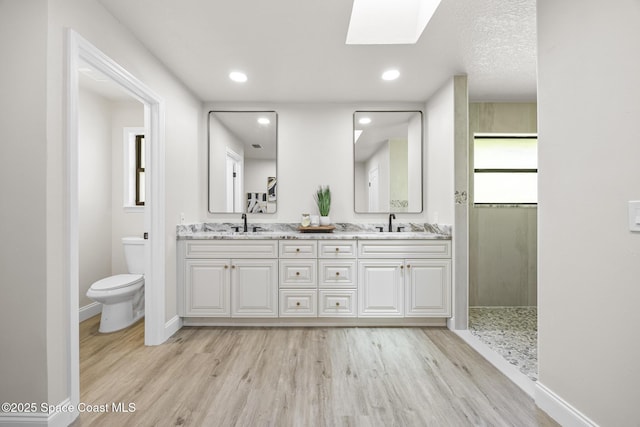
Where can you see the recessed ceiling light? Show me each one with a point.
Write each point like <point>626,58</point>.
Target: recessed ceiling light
<point>390,75</point>
<point>264,121</point>
<point>364,121</point>
<point>237,76</point>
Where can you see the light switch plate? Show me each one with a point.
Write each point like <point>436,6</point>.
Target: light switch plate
<point>634,215</point>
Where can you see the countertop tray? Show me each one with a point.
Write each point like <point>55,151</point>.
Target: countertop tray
<point>317,229</point>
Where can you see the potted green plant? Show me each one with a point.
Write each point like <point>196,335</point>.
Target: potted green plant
<point>323,200</point>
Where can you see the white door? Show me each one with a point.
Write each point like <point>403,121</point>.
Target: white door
<point>233,174</point>
<point>428,289</point>
<point>381,288</point>
<point>254,289</point>
<point>374,191</point>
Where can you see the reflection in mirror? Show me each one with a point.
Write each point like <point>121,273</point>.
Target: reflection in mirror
<point>387,155</point>
<point>243,161</point>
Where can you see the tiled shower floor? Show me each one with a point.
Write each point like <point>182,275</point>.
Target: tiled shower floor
<point>511,332</point>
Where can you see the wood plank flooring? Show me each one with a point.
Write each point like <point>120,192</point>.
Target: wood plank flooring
<point>296,377</point>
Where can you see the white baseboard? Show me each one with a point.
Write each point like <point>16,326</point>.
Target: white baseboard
<point>90,310</point>
<point>521,380</point>
<point>172,326</point>
<point>558,409</point>
<point>62,415</point>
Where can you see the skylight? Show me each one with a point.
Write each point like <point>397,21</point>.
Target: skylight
<point>389,21</point>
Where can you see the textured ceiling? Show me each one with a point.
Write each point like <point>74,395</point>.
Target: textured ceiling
<point>295,51</point>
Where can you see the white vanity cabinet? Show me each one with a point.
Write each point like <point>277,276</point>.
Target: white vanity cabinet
<point>228,278</point>
<point>321,278</point>
<point>404,278</point>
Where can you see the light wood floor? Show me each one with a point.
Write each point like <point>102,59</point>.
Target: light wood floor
<point>296,377</point>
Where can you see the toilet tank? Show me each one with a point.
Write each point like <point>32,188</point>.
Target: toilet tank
<point>134,254</point>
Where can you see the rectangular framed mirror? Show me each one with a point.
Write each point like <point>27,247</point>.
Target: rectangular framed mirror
<point>243,161</point>
<point>387,153</point>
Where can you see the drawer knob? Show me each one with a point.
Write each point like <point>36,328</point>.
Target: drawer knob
<point>233,266</point>
<point>408,265</point>
<point>337,273</point>
<point>226,266</point>
<point>297,249</point>
<point>337,304</point>
<point>297,273</point>
<point>337,249</point>
<point>298,303</point>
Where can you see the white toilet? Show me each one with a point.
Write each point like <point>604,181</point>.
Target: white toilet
<point>122,295</point>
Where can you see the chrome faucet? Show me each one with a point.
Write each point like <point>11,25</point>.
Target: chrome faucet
<point>391,217</point>
<point>244,218</point>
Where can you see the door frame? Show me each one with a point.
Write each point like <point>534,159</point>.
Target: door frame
<point>79,49</point>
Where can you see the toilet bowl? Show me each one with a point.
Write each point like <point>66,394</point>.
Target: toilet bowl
<point>122,295</point>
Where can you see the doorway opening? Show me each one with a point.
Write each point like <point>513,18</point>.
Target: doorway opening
<point>503,246</point>
<point>79,50</point>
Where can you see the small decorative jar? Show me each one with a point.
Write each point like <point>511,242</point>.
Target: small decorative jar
<point>306,220</point>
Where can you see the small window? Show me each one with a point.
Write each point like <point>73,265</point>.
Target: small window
<point>505,169</point>
<point>134,147</point>
<point>140,170</point>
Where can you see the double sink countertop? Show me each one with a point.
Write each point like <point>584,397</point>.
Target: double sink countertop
<point>343,231</point>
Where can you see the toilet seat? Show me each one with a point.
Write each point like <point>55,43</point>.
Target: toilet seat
<point>116,282</point>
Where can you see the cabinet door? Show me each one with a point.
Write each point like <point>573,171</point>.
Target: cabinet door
<point>428,288</point>
<point>254,291</point>
<point>207,290</point>
<point>380,288</point>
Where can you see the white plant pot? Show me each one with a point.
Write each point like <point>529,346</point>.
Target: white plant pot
<point>325,220</point>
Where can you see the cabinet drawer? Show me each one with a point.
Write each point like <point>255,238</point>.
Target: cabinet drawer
<point>337,274</point>
<point>337,249</point>
<point>298,249</point>
<point>298,303</point>
<point>296,273</point>
<point>337,303</point>
<point>231,249</point>
<point>404,249</point>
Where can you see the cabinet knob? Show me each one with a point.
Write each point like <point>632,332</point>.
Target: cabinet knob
<point>337,249</point>
<point>337,304</point>
<point>233,266</point>
<point>297,273</point>
<point>226,266</point>
<point>337,273</point>
<point>402,267</point>
<point>297,249</point>
<point>298,303</point>
<point>408,265</point>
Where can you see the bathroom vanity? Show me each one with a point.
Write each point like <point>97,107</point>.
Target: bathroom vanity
<point>287,277</point>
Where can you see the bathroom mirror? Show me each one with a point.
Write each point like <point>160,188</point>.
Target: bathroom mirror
<point>243,161</point>
<point>387,152</point>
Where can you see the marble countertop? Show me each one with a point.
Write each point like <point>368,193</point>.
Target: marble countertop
<point>343,231</point>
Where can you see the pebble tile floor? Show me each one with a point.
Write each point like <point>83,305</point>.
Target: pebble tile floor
<point>511,332</point>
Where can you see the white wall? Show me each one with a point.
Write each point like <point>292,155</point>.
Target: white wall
<point>589,151</point>
<point>23,183</point>
<point>440,126</point>
<point>414,171</point>
<point>94,191</point>
<point>123,222</point>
